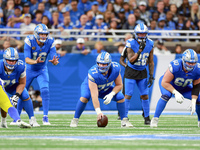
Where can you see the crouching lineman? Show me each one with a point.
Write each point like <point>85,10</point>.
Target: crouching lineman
<point>182,79</point>
<point>99,84</point>
<point>13,74</point>
<point>6,106</point>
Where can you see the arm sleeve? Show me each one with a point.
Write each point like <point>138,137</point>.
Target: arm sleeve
<point>27,48</point>
<point>53,51</point>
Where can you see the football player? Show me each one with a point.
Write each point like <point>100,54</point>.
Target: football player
<point>36,50</point>
<point>6,106</point>
<point>100,84</point>
<point>182,79</point>
<point>13,74</point>
<point>139,52</point>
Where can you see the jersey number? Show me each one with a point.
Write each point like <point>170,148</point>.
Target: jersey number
<point>142,60</point>
<point>42,55</point>
<point>182,82</point>
<point>7,82</point>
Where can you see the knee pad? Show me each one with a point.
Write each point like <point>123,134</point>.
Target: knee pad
<point>165,97</point>
<point>44,93</point>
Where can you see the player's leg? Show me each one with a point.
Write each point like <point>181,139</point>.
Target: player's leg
<point>123,92</point>
<point>81,104</point>
<point>28,106</point>
<point>142,85</point>
<point>129,87</point>
<point>3,119</point>
<point>162,102</point>
<point>43,80</point>
<point>6,105</point>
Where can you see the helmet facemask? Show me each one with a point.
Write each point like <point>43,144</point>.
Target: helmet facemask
<point>189,59</point>
<point>141,29</point>
<point>41,29</point>
<point>10,54</point>
<point>103,58</point>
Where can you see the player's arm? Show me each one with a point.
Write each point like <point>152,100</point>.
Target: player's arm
<point>121,61</point>
<point>21,85</point>
<point>53,54</point>
<point>132,56</point>
<point>95,100</point>
<point>151,63</point>
<point>118,84</point>
<point>167,78</point>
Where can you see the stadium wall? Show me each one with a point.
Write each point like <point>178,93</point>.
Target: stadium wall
<point>66,79</point>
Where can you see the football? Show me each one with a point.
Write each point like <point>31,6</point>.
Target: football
<point>103,121</point>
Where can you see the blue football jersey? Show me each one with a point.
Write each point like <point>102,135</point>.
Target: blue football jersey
<point>181,78</point>
<point>32,50</point>
<point>11,79</point>
<point>142,60</point>
<point>103,82</point>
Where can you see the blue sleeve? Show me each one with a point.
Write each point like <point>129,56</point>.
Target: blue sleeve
<point>27,51</point>
<point>53,52</point>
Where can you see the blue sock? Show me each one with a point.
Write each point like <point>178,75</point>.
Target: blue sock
<point>145,106</point>
<point>198,111</point>
<point>80,107</point>
<point>127,105</point>
<point>45,100</point>
<point>121,109</point>
<point>160,107</point>
<point>28,106</point>
<point>12,111</point>
<point>19,106</point>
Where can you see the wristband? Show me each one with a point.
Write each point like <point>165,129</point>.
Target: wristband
<point>138,52</point>
<point>17,94</point>
<point>194,101</point>
<point>98,111</point>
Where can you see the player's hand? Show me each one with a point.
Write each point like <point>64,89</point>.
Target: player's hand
<point>99,116</point>
<point>15,99</point>
<point>38,60</point>
<point>54,61</point>
<point>192,106</point>
<point>142,45</point>
<point>108,98</point>
<point>150,82</point>
<point>179,97</point>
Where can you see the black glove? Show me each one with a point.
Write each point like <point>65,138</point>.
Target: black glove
<point>150,82</point>
<point>142,45</point>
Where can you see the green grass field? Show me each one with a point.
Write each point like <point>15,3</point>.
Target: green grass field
<point>173,132</point>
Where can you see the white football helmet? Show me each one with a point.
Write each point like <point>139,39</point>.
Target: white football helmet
<point>189,55</point>
<point>10,54</point>
<point>104,58</point>
<point>141,28</point>
<point>41,29</point>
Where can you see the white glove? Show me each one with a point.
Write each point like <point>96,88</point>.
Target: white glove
<point>179,97</point>
<point>108,97</point>
<point>15,99</point>
<point>193,106</point>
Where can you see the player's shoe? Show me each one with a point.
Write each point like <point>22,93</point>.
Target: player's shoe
<point>154,122</point>
<point>33,122</point>
<point>23,124</point>
<point>125,123</point>
<point>74,122</point>
<point>119,118</point>
<point>198,123</point>
<point>46,121</point>
<point>147,120</point>
<point>3,125</point>
<point>14,123</point>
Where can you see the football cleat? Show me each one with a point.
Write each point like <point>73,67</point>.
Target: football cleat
<point>198,123</point>
<point>154,122</point>
<point>14,123</point>
<point>23,124</point>
<point>3,125</point>
<point>74,122</point>
<point>33,122</point>
<point>119,118</point>
<point>147,120</point>
<point>125,123</point>
<point>46,121</point>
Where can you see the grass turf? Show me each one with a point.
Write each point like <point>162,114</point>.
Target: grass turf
<point>173,132</point>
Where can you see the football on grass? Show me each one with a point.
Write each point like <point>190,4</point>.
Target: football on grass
<point>103,121</point>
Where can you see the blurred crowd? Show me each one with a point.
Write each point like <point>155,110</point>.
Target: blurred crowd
<point>99,14</point>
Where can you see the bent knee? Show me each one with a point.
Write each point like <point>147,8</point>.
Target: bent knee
<point>121,101</point>
<point>84,100</point>
<point>144,97</point>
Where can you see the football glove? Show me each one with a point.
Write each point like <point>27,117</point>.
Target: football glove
<point>108,98</point>
<point>15,99</point>
<point>179,97</point>
<point>193,106</point>
<point>142,45</point>
<point>150,82</point>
